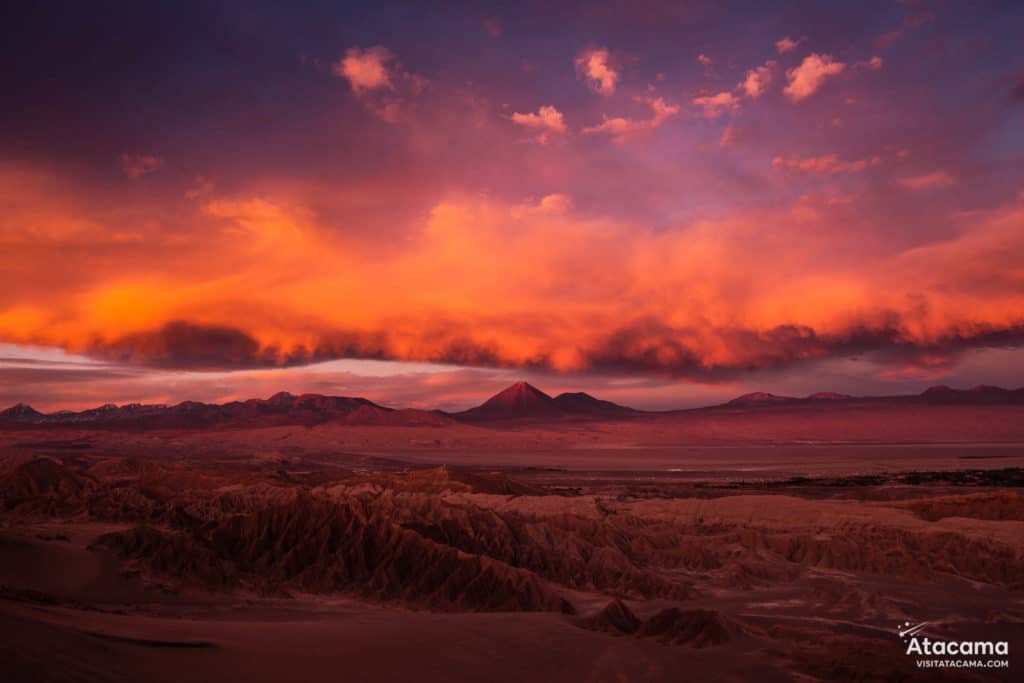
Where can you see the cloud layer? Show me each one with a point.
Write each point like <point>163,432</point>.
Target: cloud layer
<point>481,282</point>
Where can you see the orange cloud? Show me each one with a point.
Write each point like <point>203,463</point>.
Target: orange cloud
<point>622,128</point>
<point>716,105</point>
<point>806,79</point>
<point>382,87</point>
<point>758,79</point>
<point>787,44</point>
<point>730,136</point>
<point>547,121</point>
<point>555,204</point>
<point>365,69</point>
<point>928,181</point>
<point>829,163</point>
<point>594,65</point>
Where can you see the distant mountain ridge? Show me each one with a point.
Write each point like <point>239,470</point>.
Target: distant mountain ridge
<point>761,398</point>
<point>978,395</point>
<point>282,408</point>
<point>521,402</point>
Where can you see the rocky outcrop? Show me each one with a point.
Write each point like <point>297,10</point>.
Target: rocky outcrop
<point>320,546</point>
<point>42,485</point>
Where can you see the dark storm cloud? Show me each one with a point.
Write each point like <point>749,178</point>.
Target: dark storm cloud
<point>648,346</point>
<point>189,346</point>
<point>644,346</point>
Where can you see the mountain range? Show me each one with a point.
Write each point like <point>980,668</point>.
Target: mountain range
<point>519,403</point>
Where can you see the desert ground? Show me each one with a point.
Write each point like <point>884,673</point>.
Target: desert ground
<point>757,543</point>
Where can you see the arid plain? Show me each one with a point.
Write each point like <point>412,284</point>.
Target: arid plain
<point>532,538</point>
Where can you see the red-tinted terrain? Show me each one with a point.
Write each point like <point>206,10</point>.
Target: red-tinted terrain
<point>533,537</point>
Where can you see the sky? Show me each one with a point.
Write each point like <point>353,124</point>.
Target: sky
<point>663,203</point>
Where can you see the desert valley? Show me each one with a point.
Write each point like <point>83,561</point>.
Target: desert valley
<point>530,538</point>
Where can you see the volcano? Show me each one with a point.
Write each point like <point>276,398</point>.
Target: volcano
<point>523,401</point>
<point>520,401</point>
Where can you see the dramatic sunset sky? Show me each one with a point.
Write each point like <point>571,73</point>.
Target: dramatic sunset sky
<point>663,203</point>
